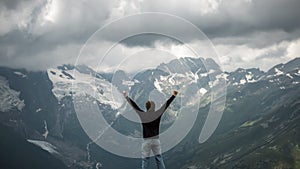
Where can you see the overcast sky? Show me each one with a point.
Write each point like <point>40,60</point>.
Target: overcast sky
<point>38,34</point>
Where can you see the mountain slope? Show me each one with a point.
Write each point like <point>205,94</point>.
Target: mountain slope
<point>17,153</point>
<point>260,125</point>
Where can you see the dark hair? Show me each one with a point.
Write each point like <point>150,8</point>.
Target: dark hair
<point>148,105</point>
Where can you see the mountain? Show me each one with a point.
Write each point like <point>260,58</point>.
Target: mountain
<point>259,127</point>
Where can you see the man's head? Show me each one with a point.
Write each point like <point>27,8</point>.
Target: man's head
<point>150,105</point>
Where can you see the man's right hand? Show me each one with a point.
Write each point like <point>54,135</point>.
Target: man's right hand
<point>175,93</point>
<point>124,93</point>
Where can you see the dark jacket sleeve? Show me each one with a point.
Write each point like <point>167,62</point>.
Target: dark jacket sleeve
<point>167,104</point>
<point>133,104</point>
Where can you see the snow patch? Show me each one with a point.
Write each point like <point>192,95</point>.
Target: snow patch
<point>157,86</point>
<point>136,81</point>
<point>20,74</point>
<point>83,85</point>
<point>219,79</point>
<point>243,81</point>
<point>98,165</point>
<point>171,81</point>
<point>196,77</point>
<point>46,130</point>
<point>278,72</point>
<point>127,83</point>
<point>193,76</point>
<point>117,114</point>
<point>203,74</point>
<point>222,76</point>
<point>203,91</point>
<point>288,75</point>
<point>44,145</point>
<point>249,78</point>
<point>235,84</point>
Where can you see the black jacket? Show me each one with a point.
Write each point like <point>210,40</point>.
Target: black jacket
<point>151,118</point>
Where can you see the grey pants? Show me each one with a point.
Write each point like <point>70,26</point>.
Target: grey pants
<point>154,146</point>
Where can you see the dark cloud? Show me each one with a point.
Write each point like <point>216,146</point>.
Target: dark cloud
<point>28,34</point>
<point>266,15</point>
<point>239,18</point>
<point>11,4</point>
<point>148,40</point>
<point>257,23</point>
<point>144,40</point>
<point>270,14</point>
<point>37,39</point>
<point>258,39</point>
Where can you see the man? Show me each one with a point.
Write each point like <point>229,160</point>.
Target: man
<point>150,122</point>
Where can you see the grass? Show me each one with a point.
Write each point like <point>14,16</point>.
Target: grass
<point>296,156</point>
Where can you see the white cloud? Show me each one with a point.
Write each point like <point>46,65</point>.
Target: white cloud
<point>17,19</point>
<point>236,56</point>
<point>123,8</point>
<point>293,49</point>
<point>130,59</point>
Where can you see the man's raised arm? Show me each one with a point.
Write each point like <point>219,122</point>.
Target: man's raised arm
<point>131,102</point>
<point>168,102</point>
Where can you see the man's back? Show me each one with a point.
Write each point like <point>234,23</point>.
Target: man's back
<point>151,118</point>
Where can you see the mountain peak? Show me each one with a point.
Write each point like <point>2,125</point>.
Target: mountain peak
<point>287,67</point>
<point>186,64</point>
<point>242,76</point>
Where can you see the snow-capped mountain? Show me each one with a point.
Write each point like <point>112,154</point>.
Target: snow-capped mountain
<point>40,106</point>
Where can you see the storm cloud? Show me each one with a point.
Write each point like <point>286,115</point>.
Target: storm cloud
<point>38,34</point>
